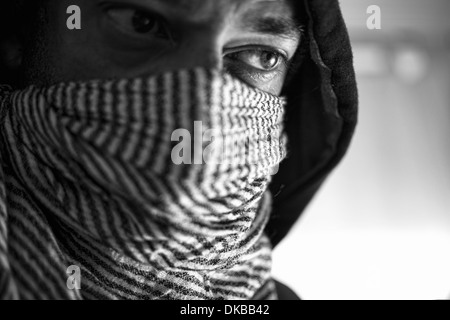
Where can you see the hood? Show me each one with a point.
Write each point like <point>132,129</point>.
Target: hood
<point>321,113</point>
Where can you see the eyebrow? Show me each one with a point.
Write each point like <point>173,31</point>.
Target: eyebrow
<point>277,26</point>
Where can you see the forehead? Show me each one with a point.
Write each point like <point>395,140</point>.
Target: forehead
<point>192,5</point>
<point>207,9</point>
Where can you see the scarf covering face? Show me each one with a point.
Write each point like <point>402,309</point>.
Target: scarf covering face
<point>88,180</point>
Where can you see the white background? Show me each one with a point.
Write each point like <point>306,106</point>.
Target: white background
<point>380,227</point>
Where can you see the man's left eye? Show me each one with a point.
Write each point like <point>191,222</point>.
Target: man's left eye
<point>264,60</point>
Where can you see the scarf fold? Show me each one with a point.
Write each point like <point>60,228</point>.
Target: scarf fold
<point>154,187</point>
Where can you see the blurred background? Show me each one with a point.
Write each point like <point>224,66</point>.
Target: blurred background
<point>380,226</point>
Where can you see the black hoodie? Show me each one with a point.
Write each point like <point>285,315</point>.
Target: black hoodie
<point>321,113</point>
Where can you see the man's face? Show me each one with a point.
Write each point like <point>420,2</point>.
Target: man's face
<point>253,40</point>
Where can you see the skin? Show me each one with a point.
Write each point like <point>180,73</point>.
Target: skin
<point>253,40</point>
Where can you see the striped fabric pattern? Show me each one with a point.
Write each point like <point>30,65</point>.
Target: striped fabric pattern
<point>88,179</point>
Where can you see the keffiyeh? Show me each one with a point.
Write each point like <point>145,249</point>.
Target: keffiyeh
<point>88,179</point>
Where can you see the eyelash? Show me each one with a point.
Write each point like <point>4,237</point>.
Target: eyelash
<point>259,49</point>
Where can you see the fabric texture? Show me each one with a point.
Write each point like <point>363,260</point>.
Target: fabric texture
<point>88,179</point>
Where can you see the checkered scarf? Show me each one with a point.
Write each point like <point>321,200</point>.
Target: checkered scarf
<point>96,176</point>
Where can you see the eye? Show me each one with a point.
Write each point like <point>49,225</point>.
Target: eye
<point>264,60</point>
<point>137,22</point>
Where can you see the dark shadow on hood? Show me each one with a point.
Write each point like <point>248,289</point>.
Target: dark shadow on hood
<point>321,113</point>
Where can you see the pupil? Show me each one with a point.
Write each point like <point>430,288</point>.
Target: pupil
<point>269,60</point>
<point>143,23</point>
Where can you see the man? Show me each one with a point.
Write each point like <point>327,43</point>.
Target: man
<point>88,123</point>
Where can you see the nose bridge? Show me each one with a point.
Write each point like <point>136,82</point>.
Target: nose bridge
<point>204,33</point>
<point>203,50</point>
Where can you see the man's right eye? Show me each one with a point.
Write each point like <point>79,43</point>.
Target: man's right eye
<point>137,22</point>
